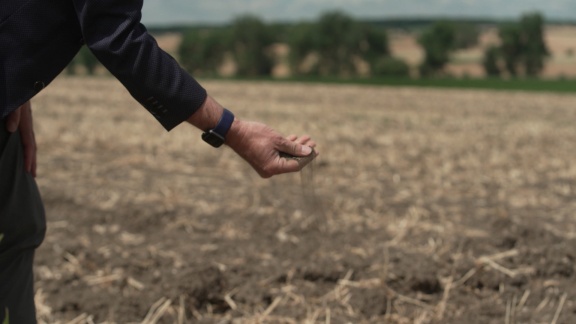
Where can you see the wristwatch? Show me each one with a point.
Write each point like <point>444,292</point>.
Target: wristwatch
<point>217,135</point>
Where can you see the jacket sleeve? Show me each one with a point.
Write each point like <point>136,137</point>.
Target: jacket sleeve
<point>113,32</point>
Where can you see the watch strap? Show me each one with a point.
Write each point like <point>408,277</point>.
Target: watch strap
<point>217,135</point>
<point>224,123</point>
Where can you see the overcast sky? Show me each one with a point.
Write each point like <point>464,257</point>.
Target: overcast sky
<point>218,11</point>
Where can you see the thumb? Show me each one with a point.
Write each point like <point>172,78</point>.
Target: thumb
<point>295,149</point>
<point>303,150</point>
<point>13,120</point>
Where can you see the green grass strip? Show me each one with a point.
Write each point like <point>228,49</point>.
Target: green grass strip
<point>562,86</point>
<point>532,85</point>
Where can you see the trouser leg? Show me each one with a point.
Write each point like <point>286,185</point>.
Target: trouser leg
<point>22,225</point>
<point>17,289</point>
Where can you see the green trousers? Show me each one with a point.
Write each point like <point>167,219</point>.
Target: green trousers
<point>22,227</point>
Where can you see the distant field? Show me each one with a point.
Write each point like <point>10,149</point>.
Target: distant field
<point>425,206</point>
<point>561,41</point>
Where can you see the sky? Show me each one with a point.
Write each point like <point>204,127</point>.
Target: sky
<point>168,12</point>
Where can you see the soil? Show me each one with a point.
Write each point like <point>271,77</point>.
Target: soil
<point>424,206</point>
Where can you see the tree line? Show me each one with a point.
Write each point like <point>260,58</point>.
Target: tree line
<point>337,45</point>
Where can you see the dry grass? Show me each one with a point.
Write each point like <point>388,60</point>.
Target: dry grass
<point>425,206</point>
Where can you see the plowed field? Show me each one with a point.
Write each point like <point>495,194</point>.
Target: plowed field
<point>425,206</point>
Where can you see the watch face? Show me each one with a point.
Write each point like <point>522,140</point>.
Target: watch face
<point>216,136</point>
<point>213,139</point>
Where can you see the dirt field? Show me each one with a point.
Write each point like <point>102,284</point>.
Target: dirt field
<point>425,206</point>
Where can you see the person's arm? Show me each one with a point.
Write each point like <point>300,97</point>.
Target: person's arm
<point>21,120</point>
<point>113,32</point>
<point>111,29</point>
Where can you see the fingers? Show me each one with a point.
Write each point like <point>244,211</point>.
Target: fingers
<point>13,120</point>
<point>306,140</point>
<point>296,153</point>
<point>30,159</point>
<point>298,146</point>
<point>28,139</point>
<point>293,146</point>
<point>302,140</point>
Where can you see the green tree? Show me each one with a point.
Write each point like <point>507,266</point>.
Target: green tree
<point>535,49</point>
<point>202,50</point>
<point>250,43</point>
<point>336,40</point>
<point>466,35</point>
<point>511,47</point>
<point>84,58</point>
<point>438,41</point>
<point>374,45</point>
<point>302,42</point>
<point>88,60</point>
<point>491,61</point>
<point>523,47</point>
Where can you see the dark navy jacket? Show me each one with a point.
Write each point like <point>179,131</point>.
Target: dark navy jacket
<point>38,38</point>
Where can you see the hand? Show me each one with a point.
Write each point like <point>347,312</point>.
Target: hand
<point>261,147</point>
<point>21,120</point>
<point>258,144</point>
